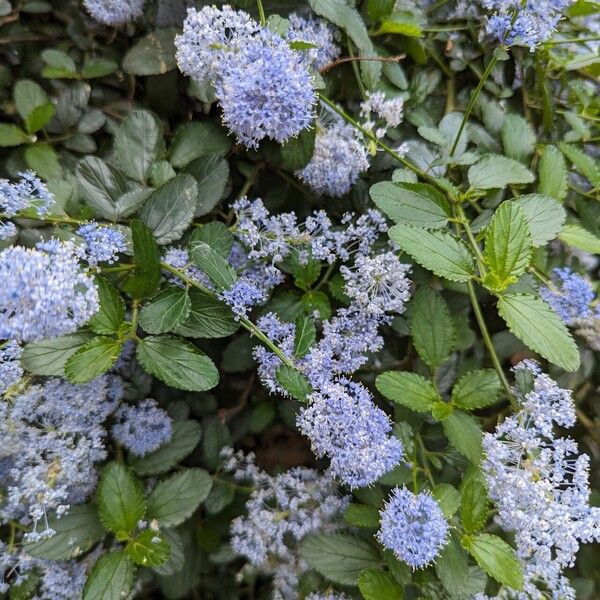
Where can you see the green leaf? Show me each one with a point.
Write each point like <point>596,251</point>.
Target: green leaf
<point>11,135</point>
<point>297,151</point>
<point>415,204</point>
<point>438,251</point>
<point>477,389</point>
<point>452,567</point>
<point>216,235</point>
<point>575,235</point>
<point>375,585</point>
<point>293,382</point>
<point>305,335</point>
<point>338,557</point>
<point>349,20</point>
<point>474,505</point>
<point>111,578</point>
<point>545,217</point>
<point>585,164</point>
<point>540,328</point>
<point>148,549</point>
<point>448,498</point>
<point>170,209</point>
<point>32,104</point>
<point>121,501</point>
<point>178,363</point>
<point>218,270</point>
<point>377,9</point>
<point>185,437</point>
<point>96,357</point>
<point>58,64</point>
<point>208,318</point>
<point>101,186</point>
<point>76,533</point>
<point>98,67</point>
<point>146,276</point>
<point>43,159</point>
<point>175,499</point>
<point>507,246</point>
<point>193,140</point>
<point>518,138</point>
<point>166,311</point>
<point>48,357</point>
<point>362,515</point>
<point>553,174</point>
<point>176,559</point>
<point>401,24</point>
<point>496,172</point>
<point>211,174</point>
<point>112,309</point>
<point>431,327</point>
<point>496,558</point>
<point>153,54</point>
<point>408,389</point>
<point>464,433</point>
<point>138,144</point>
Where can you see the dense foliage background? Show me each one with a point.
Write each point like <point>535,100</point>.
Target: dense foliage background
<point>195,384</point>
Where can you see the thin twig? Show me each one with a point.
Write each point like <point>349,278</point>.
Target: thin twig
<point>345,59</point>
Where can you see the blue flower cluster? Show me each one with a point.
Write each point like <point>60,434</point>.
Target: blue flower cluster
<point>263,86</point>
<point>10,368</point>
<point>142,428</point>
<point>281,511</point>
<point>44,292</point>
<point>28,193</point>
<point>114,12</point>
<point>413,527</point>
<point>102,244</point>
<point>53,435</point>
<point>540,484</point>
<point>319,34</point>
<point>524,23</point>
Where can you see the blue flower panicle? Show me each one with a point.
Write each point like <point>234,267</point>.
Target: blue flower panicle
<point>413,527</point>
<point>114,12</point>
<point>571,302</point>
<point>102,244</point>
<point>317,32</point>
<point>10,368</point>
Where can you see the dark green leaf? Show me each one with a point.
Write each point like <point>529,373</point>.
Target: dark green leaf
<point>362,515</point>
<point>111,578</point>
<point>33,104</point>
<point>293,382</point>
<point>298,151</point>
<point>375,585</point>
<point>43,159</point>
<point>153,54</point>
<point>409,389</point>
<point>518,138</point>
<point>448,497</point>
<point>96,357</point>
<point>218,270</point>
<point>584,163</point>
<point>464,433</point>
<point>177,557</point>
<point>48,357</point>
<point>477,389</point>
<point>11,135</point>
<point>121,501</point>
<point>208,318</point>
<point>112,309</point>
<point>146,277</point>
<point>193,140</point>
<point>305,335</point>
<point>178,363</point>
<point>452,567</point>
<point>166,311</point>
<point>474,505</point>
<point>216,235</point>
<point>98,67</point>
<point>211,174</point>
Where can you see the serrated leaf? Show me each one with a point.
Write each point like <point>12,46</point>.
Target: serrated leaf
<point>464,433</point>
<point>477,389</point>
<point>170,209</point>
<point>76,533</point>
<point>166,311</point>
<point>448,498</point>
<point>540,328</point>
<point>218,270</point>
<point>416,204</point>
<point>545,217</point>
<point>497,559</point>
<point>153,54</point>
<point>438,251</point>
<point>579,237</point>
<point>452,567</point>
<point>216,235</point>
<point>293,382</point>
<point>518,138</point>
<point>208,318</point>
<point>362,515</point>
<point>375,584</point>
<point>507,246</point>
<point>474,505</point>
<point>186,436</point>
<point>305,335</point>
<point>553,174</point>
<point>48,357</point>
<point>408,389</point>
<point>112,309</point>
<point>178,363</point>
<point>111,578</point>
<point>148,549</point>
<point>197,139</point>
<point>585,164</point>
<point>176,559</point>
<point>138,143</point>
<point>338,557</point>
<point>496,172</point>
<point>96,357</point>
<point>121,502</point>
<point>146,276</point>
<point>175,499</point>
<point>431,327</point>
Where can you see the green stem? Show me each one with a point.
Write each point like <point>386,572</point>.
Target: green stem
<point>47,218</point>
<point>594,38</point>
<point>261,12</point>
<point>246,323</point>
<point>356,71</point>
<point>135,315</point>
<point>473,99</point>
<point>487,340</point>
<point>472,241</point>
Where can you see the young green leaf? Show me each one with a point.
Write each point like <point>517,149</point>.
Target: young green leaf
<point>121,502</point>
<point>362,515</point>
<point>293,382</point>
<point>438,251</point>
<point>584,163</point>
<point>148,549</point>
<point>577,236</point>
<point>110,317</point>
<point>540,328</point>
<point>297,152</point>
<point>92,359</point>
<point>178,363</point>
<point>474,505</point>
<point>216,235</point>
<point>408,389</point>
<point>477,389</point>
<point>452,567</point>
